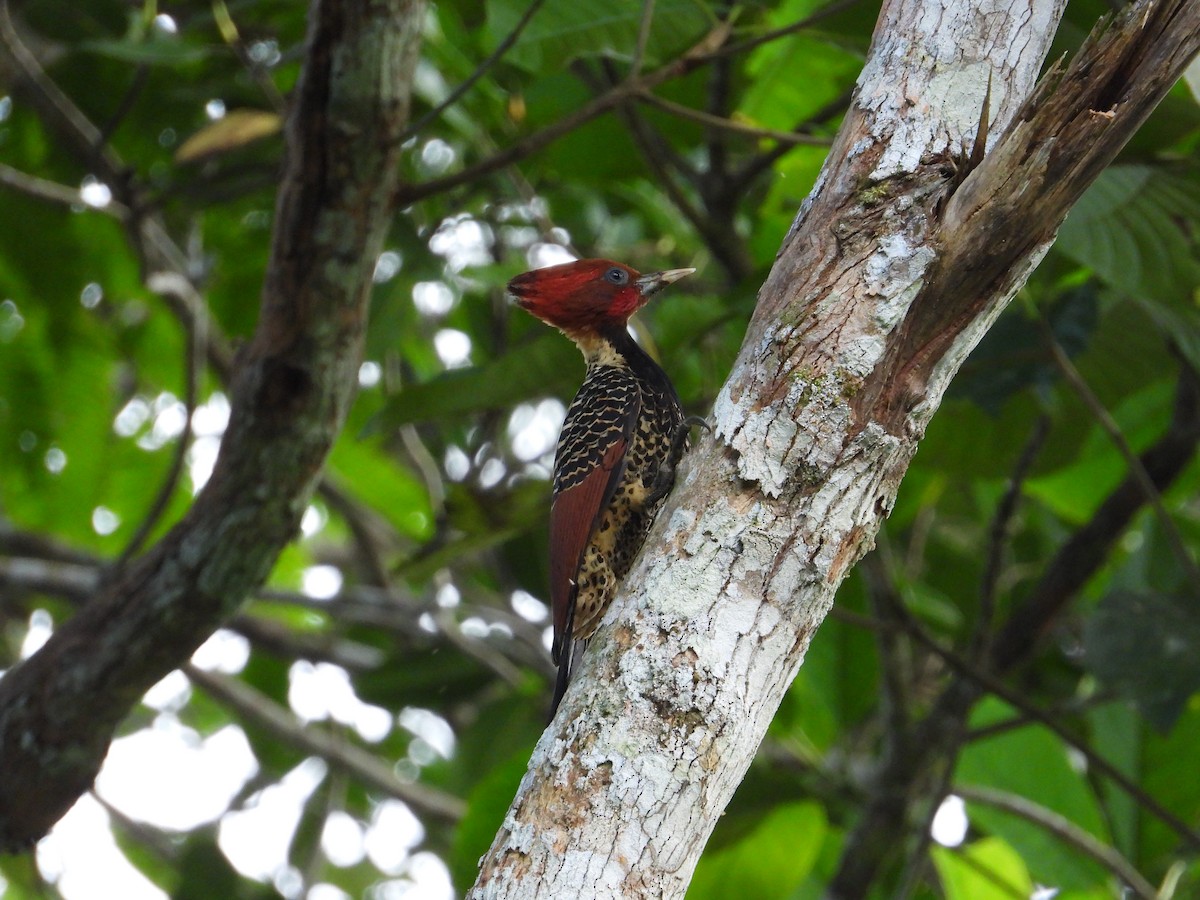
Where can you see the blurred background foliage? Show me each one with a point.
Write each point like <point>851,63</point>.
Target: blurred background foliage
<point>401,640</point>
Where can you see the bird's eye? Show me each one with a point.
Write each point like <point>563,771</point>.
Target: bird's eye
<point>617,276</point>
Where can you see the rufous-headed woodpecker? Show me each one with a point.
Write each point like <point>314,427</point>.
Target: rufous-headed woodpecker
<point>620,443</point>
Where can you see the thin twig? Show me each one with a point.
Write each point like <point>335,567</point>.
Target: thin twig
<point>756,165</point>
<point>825,12</point>
<point>689,61</point>
<point>351,758</point>
<point>424,462</point>
<point>993,685</point>
<point>1066,831</point>
<point>455,95</point>
<point>53,192</point>
<point>732,125</point>
<point>643,38</point>
<point>998,538</point>
<point>258,73</point>
<point>140,76</point>
<point>173,283</point>
<point>1082,390</point>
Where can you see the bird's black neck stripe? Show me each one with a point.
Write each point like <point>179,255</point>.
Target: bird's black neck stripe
<point>638,360</point>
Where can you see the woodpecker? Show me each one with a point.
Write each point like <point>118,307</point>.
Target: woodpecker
<point>622,439</point>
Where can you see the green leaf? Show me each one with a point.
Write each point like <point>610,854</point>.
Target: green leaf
<point>1075,490</point>
<point>988,869</point>
<point>794,78</point>
<point>392,490</point>
<point>1131,229</point>
<point>770,862</point>
<point>561,32</point>
<point>1168,769</point>
<point>1147,646</point>
<point>1032,762</point>
<point>1013,357</point>
<point>1180,324</point>
<point>1116,735</point>
<point>156,51</point>
<point>547,365</point>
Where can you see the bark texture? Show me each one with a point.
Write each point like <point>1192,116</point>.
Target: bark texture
<point>291,391</point>
<point>908,248</point>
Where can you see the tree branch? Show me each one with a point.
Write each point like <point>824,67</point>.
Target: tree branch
<point>495,56</point>
<point>1066,831</point>
<point>172,283</point>
<point>1136,470</point>
<point>722,123</point>
<point>339,753</point>
<point>1078,559</point>
<point>58,709</point>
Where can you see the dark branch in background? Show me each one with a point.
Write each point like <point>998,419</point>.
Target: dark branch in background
<point>58,709</point>
<point>937,736</point>
<point>895,666</point>
<point>720,77</point>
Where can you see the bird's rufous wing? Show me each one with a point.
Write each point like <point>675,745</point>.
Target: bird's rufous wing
<point>587,470</point>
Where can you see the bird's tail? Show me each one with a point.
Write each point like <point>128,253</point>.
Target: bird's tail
<point>567,661</point>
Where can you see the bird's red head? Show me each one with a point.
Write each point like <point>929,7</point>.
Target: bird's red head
<point>585,297</point>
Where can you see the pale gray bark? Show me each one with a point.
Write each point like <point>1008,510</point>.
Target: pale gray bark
<point>893,270</point>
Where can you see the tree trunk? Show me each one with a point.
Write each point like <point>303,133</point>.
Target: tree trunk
<point>909,247</point>
<point>291,391</point>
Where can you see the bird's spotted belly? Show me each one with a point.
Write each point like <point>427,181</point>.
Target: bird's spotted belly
<point>609,554</point>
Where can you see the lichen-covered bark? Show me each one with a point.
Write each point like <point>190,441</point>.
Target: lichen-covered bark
<point>290,394</point>
<point>893,270</point>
